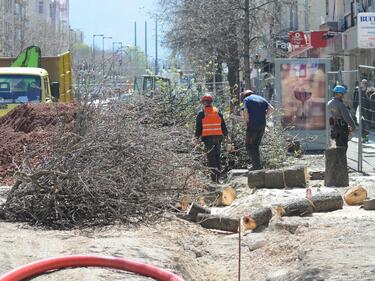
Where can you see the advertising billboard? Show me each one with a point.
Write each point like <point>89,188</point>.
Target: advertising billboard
<point>366,30</point>
<point>301,93</point>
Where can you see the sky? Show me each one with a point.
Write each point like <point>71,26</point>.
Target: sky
<point>115,18</point>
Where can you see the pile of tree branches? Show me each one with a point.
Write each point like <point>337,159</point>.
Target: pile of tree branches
<point>122,162</point>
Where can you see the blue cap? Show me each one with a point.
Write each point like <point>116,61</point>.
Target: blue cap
<point>339,89</point>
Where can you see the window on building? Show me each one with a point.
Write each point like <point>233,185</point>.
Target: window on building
<point>41,7</point>
<point>327,7</point>
<point>17,9</point>
<point>18,34</point>
<point>353,16</point>
<point>8,6</point>
<point>347,6</point>
<point>8,30</point>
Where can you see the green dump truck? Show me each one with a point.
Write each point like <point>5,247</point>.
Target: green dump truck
<point>31,78</point>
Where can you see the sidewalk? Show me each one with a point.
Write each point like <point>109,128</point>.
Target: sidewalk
<point>368,163</point>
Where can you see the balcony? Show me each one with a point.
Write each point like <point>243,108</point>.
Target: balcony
<point>336,25</point>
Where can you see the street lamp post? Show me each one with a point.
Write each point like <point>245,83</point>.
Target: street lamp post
<point>113,57</point>
<point>93,46</point>
<point>103,38</point>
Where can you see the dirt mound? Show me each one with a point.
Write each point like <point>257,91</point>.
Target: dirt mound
<point>29,127</point>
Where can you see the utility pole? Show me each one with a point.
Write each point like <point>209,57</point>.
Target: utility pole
<point>93,52</point>
<point>146,44</point>
<point>103,69</point>
<point>135,34</point>
<point>246,55</point>
<point>306,15</point>
<point>156,48</point>
<point>93,46</point>
<point>114,52</point>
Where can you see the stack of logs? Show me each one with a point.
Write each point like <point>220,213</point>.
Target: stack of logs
<point>200,212</point>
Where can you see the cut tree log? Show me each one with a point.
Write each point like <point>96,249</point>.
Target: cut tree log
<point>218,222</point>
<point>316,175</point>
<point>327,202</point>
<point>369,204</point>
<point>295,176</point>
<point>183,204</point>
<point>224,197</point>
<point>336,172</point>
<point>256,218</point>
<point>255,179</point>
<point>195,209</point>
<point>299,207</point>
<point>355,195</point>
<point>321,202</point>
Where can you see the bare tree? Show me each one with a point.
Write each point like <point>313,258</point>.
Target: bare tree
<point>220,31</point>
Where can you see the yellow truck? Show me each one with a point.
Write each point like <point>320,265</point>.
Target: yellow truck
<point>30,78</point>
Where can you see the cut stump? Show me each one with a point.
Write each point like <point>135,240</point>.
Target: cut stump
<point>256,218</point>
<point>336,171</point>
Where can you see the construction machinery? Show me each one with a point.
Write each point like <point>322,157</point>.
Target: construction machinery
<point>31,78</point>
<point>149,85</point>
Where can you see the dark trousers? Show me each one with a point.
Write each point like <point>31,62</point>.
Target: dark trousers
<point>340,133</point>
<point>213,150</point>
<point>253,139</point>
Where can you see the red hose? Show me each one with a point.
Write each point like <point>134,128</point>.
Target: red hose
<point>39,267</point>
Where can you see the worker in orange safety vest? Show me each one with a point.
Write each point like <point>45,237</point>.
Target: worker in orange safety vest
<point>211,129</point>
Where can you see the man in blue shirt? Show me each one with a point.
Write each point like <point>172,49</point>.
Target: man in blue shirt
<point>255,110</point>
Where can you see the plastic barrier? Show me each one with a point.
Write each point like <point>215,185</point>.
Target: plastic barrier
<point>42,266</point>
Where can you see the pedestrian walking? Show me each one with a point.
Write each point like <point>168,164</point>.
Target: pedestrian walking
<point>340,119</point>
<point>211,129</point>
<point>255,110</point>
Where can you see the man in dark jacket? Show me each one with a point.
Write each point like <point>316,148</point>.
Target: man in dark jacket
<point>339,118</point>
<point>256,108</point>
<point>210,128</point>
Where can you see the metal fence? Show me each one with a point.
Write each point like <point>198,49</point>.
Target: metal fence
<point>360,99</point>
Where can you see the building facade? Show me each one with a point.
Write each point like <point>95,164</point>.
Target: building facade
<point>12,25</point>
<point>44,23</point>
<point>344,25</point>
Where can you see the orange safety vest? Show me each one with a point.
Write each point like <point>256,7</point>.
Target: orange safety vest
<point>211,123</point>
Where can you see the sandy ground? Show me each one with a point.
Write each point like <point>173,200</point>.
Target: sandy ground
<point>338,245</point>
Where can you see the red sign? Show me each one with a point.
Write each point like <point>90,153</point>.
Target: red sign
<point>317,40</point>
<point>297,38</point>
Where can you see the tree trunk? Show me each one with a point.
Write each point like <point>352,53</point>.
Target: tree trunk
<point>321,202</point>
<point>218,222</point>
<point>233,68</point>
<point>299,207</point>
<point>336,173</point>
<point>257,218</point>
<point>246,55</point>
<point>327,202</point>
<point>256,179</point>
<point>369,204</point>
<point>281,178</point>
<point>195,209</point>
<point>355,195</point>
